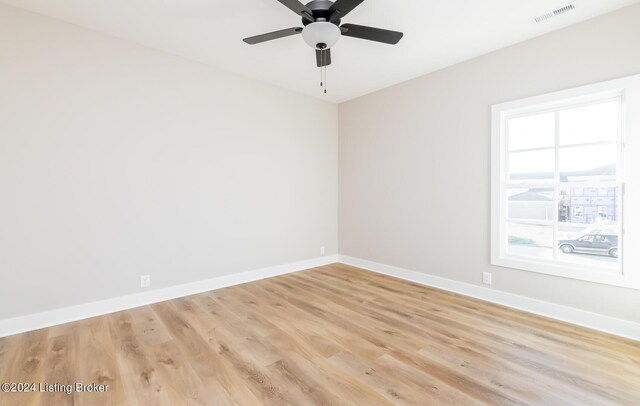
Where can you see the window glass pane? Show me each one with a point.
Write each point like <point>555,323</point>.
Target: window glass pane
<point>530,240</point>
<point>537,131</point>
<point>595,246</point>
<point>586,124</point>
<point>530,204</point>
<point>589,205</point>
<point>580,164</point>
<point>532,166</point>
<point>561,203</point>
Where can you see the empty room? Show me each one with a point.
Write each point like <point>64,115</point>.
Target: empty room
<point>349,202</point>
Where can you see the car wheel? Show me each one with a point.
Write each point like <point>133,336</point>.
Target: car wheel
<point>567,249</point>
<point>613,252</point>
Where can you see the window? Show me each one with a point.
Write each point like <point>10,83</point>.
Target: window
<point>558,186</point>
<point>578,212</point>
<point>602,212</point>
<point>551,153</point>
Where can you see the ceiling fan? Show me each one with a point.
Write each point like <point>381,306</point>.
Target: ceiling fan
<point>322,29</point>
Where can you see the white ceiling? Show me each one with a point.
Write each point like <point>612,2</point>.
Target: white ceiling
<point>438,33</point>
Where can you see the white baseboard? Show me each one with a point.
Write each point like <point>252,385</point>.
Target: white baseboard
<point>86,310</point>
<point>54,317</point>
<point>612,325</point>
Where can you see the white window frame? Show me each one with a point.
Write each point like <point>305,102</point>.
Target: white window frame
<point>629,270</point>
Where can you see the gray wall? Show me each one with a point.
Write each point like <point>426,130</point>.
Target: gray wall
<point>117,161</point>
<point>415,160</point>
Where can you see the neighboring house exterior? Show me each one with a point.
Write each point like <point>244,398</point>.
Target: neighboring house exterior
<point>592,205</point>
<point>588,205</point>
<point>531,205</point>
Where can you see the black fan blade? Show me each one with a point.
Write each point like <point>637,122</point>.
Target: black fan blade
<point>372,34</point>
<point>273,35</point>
<point>298,8</point>
<point>341,8</point>
<point>323,58</point>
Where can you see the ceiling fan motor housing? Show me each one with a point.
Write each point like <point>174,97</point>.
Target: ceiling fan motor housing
<point>320,34</point>
<point>320,10</point>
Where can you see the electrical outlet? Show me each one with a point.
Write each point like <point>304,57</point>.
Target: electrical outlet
<point>145,281</point>
<point>487,278</point>
<point>322,250</point>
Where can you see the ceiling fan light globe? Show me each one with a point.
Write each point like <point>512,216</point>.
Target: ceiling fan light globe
<point>321,33</point>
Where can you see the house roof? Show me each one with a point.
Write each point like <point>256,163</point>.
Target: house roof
<point>531,195</point>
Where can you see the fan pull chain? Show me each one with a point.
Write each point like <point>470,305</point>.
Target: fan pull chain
<point>324,70</point>
<point>325,79</point>
<point>321,71</point>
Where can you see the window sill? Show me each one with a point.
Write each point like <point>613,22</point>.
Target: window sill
<point>567,271</point>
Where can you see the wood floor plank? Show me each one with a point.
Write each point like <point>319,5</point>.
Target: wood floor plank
<point>552,365</point>
<point>58,368</point>
<point>7,353</point>
<point>235,354</point>
<point>500,324</point>
<point>26,367</point>
<point>182,383</point>
<point>532,357</point>
<point>347,320</point>
<point>333,335</point>
<point>95,355</point>
<point>297,330</point>
<point>302,382</point>
<point>513,318</point>
<point>204,358</point>
<point>138,375</point>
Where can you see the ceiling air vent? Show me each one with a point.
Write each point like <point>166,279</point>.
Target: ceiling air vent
<point>564,9</point>
<point>544,17</point>
<point>554,13</point>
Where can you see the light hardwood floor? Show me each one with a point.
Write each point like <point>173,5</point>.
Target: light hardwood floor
<point>329,335</point>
